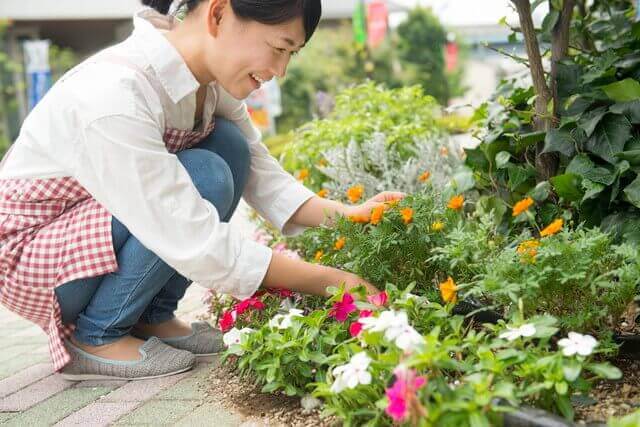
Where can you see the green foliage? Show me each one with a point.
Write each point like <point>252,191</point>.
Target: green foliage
<point>576,276</point>
<point>360,112</point>
<point>421,41</point>
<point>596,139</point>
<point>631,420</point>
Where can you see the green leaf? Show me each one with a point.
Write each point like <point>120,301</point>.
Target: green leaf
<point>633,157</point>
<point>567,186</point>
<point>561,388</point>
<point>549,22</point>
<point>610,137</point>
<point>560,140</point>
<point>528,139</point>
<point>571,371</point>
<point>623,91</point>
<point>564,406</point>
<point>605,370</point>
<point>462,180</point>
<point>584,167</point>
<point>541,191</point>
<point>592,189</point>
<point>632,192</point>
<point>589,120</point>
<point>629,109</point>
<point>491,205</point>
<point>518,175</point>
<point>502,159</point>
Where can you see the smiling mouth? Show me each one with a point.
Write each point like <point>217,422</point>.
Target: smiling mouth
<point>257,79</point>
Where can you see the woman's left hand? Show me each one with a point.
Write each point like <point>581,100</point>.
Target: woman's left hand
<point>364,209</point>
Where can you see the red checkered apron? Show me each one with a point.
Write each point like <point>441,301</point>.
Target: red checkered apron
<point>52,231</point>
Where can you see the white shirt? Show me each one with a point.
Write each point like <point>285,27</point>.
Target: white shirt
<point>103,123</point>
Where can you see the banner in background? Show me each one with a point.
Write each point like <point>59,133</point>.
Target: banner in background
<point>359,21</point>
<point>36,58</point>
<point>377,20</point>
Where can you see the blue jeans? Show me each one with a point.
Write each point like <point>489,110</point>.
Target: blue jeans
<point>145,288</point>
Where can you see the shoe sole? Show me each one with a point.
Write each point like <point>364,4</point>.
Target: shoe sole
<point>89,377</point>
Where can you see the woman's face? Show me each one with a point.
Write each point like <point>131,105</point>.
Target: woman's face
<point>252,53</point>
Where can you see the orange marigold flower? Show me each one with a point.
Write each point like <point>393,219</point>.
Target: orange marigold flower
<point>355,193</point>
<point>376,214</point>
<point>448,291</point>
<point>323,193</point>
<point>359,219</point>
<point>303,174</point>
<point>456,202</point>
<point>407,215</point>
<point>522,206</point>
<point>437,226</point>
<point>552,228</point>
<point>340,243</point>
<point>319,255</point>
<point>528,249</point>
<point>322,162</point>
<point>424,176</point>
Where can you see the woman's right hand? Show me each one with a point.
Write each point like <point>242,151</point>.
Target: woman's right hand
<point>309,278</point>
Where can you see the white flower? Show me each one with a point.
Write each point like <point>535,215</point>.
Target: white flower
<point>353,373</point>
<point>283,321</point>
<point>578,343</point>
<point>234,337</point>
<point>526,330</point>
<point>396,328</point>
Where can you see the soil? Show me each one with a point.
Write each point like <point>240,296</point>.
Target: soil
<point>613,398</point>
<point>261,409</point>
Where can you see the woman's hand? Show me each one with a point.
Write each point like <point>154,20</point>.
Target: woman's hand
<point>364,209</point>
<point>353,280</point>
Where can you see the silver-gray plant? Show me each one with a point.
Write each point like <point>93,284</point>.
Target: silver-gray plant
<point>378,166</point>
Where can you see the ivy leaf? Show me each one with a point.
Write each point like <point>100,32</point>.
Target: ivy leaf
<point>629,109</point>
<point>589,120</point>
<point>633,157</point>
<point>541,191</point>
<point>567,186</point>
<point>583,166</point>
<point>549,22</point>
<point>502,159</point>
<point>560,140</point>
<point>610,136</point>
<point>592,189</point>
<point>632,192</point>
<point>623,91</point>
<point>518,175</point>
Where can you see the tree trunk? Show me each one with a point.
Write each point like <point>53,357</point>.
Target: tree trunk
<point>546,163</point>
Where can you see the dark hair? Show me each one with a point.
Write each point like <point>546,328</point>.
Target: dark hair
<point>269,12</point>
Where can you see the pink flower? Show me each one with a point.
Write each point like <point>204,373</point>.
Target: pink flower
<point>356,327</point>
<point>282,293</point>
<point>262,237</point>
<point>342,309</point>
<point>402,396</point>
<point>378,300</point>
<point>227,320</point>
<point>244,305</point>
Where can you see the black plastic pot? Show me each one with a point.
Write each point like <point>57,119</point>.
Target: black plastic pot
<point>480,314</point>
<point>629,345</point>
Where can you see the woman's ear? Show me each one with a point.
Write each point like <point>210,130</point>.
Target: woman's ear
<point>214,15</point>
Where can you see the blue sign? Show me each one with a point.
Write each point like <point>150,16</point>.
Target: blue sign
<point>36,55</point>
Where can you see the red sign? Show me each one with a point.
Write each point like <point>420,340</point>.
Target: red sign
<point>451,56</point>
<point>377,15</point>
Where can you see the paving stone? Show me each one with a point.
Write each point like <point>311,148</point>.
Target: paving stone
<point>211,414</point>
<point>160,412</point>
<point>14,351</point>
<point>24,378</point>
<point>99,413</point>
<point>136,391</point>
<point>6,416</point>
<point>35,393</point>
<point>17,364</point>
<point>58,407</point>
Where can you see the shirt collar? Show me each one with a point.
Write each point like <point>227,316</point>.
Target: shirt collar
<point>166,61</point>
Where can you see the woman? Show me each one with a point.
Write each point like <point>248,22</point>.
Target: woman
<point>118,191</point>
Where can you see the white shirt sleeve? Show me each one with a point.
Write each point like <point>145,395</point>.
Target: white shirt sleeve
<point>122,161</point>
<point>270,190</point>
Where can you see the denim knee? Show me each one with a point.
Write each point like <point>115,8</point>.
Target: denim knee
<point>211,176</point>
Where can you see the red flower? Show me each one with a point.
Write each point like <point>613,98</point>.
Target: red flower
<point>227,320</point>
<point>356,327</point>
<point>252,302</point>
<point>378,300</point>
<point>342,309</point>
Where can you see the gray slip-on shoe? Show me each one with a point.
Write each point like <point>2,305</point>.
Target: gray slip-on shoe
<point>158,360</point>
<point>205,340</point>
